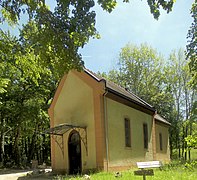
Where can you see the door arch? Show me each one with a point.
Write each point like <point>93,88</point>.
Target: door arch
<point>74,152</point>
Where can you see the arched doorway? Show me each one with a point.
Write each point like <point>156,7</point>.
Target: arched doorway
<point>74,152</point>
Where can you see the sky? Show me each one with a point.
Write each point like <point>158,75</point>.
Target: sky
<point>133,23</point>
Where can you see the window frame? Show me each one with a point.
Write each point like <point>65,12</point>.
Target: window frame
<point>127,134</point>
<point>145,135</point>
<point>160,142</point>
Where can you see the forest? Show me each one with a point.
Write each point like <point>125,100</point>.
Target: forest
<point>31,65</point>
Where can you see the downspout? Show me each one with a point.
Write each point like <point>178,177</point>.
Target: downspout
<point>106,128</point>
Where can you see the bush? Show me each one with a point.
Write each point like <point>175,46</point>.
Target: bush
<point>191,165</point>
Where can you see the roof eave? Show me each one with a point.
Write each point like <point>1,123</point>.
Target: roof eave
<point>166,123</point>
<point>129,99</point>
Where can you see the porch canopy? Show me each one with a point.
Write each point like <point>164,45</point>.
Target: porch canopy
<point>58,131</point>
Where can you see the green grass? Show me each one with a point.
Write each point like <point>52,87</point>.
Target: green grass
<point>170,172</point>
<point>159,175</point>
<point>194,154</point>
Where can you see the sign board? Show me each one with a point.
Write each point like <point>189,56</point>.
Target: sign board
<point>148,164</point>
<point>147,172</point>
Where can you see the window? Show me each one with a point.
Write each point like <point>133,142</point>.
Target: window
<point>145,131</point>
<point>160,142</point>
<point>127,132</point>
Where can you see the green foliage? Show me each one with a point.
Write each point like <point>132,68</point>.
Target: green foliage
<point>3,84</point>
<point>155,6</point>
<point>192,44</point>
<point>140,71</point>
<point>191,140</point>
<point>194,153</point>
<point>11,10</point>
<point>192,165</point>
<point>15,56</point>
<point>178,77</point>
<point>24,101</point>
<point>185,166</point>
<point>69,25</point>
<point>165,86</point>
<point>108,5</point>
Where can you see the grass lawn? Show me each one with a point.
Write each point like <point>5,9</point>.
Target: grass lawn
<point>159,175</point>
<point>179,173</point>
<point>174,171</point>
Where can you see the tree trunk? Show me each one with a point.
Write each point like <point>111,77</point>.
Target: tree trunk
<point>26,150</point>
<point>178,143</point>
<point>2,141</point>
<point>2,144</point>
<point>183,141</point>
<point>32,147</point>
<point>186,129</point>
<point>190,133</point>
<point>16,149</point>
<point>171,147</point>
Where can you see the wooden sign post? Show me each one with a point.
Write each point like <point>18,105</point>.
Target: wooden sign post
<point>144,173</point>
<point>143,168</point>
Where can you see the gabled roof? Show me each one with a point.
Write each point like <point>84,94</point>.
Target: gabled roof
<point>120,91</point>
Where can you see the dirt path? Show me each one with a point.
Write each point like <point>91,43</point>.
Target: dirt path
<point>13,176</point>
<point>37,174</point>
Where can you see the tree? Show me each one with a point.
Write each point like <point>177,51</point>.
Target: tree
<point>192,138</point>
<point>163,85</point>
<point>175,83</point>
<point>11,10</point>
<point>70,25</point>
<point>23,113</point>
<point>192,44</point>
<point>24,102</point>
<point>178,77</point>
<point>3,84</point>
<point>140,71</point>
<point>191,54</point>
